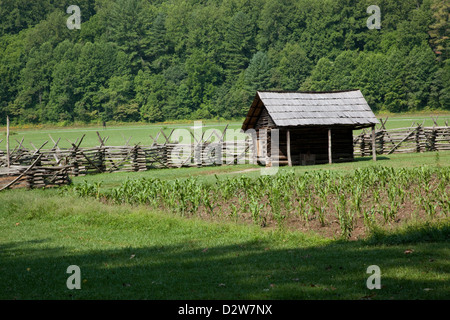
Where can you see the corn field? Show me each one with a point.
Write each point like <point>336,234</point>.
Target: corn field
<point>341,202</point>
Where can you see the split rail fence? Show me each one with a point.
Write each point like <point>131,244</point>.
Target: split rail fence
<point>204,151</point>
<point>416,138</point>
<point>44,166</point>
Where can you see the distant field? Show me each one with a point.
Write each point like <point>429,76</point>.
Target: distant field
<point>140,133</point>
<point>118,134</point>
<point>406,121</point>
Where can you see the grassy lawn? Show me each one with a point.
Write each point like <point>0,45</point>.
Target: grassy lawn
<point>119,134</point>
<point>131,252</point>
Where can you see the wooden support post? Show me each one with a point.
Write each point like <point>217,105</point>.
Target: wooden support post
<point>330,154</point>
<point>374,151</point>
<point>417,139</point>
<point>255,148</point>
<point>288,139</point>
<point>8,157</point>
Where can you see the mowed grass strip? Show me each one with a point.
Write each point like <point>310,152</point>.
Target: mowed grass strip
<point>118,135</point>
<point>139,133</point>
<point>129,252</point>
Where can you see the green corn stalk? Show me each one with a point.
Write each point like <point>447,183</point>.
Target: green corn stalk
<point>275,205</point>
<point>429,207</point>
<point>287,202</point>
<point>255,208</point>
<point>300,207</point>
<point>393,211</point>
<point>321,215</point>
<point>345,217</point>
<point>309,212</point>
<point>376,195</point>
<point>369,218</point>
<point>97,186</point>
<point>234,211</point>
<point>385,212</point>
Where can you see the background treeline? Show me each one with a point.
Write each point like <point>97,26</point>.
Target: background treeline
<point>155,60</point>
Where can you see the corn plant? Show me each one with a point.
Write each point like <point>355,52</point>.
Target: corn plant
<point>255,208</point>
<point>369,218</point>
<point>365,193</point>
<point>275,204</point>
<point>345,217</point>
<point>85,189</point>
<point>385,212</point>
<point>321,215</point>
<point>357,198</point>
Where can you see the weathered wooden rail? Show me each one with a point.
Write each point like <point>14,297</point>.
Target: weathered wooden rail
<point>416,138</point>
<point>33,176</point>
<point>131,158</point>
<point>49,165</point>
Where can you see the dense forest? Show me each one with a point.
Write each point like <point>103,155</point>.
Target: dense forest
<point>156,60</point>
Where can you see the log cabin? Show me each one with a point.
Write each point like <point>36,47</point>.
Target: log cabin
<point>307,128</point>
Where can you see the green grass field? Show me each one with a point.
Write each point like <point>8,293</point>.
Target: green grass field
<point>140,133</point>
<point>132,252</point>
<point>117,134</point>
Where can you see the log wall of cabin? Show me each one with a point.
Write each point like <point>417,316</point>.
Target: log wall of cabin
<point>263,126</point>
<point>310,145</point>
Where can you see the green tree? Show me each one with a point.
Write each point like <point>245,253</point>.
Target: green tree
<point>12,51</point>
<point>34,84</point>
<point>202,76</point>
<point>150,95</point>
<point>238,43</point>
<point>126,24</point>
<point>321,77</point>
<point>97,63</point>
<point>420,67</point>
<point>439,30</point>
<point>294,67</point>
<point>157,44</point>
<point>116,100</point>
<point>276,23</point>
<point>258,74</point>
<point>233,101</point>
<point>395,99</point>
<point>414,31</point>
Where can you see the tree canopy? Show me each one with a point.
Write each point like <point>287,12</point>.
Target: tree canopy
<point>140,60</point>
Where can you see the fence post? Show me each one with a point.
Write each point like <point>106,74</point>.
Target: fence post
<point>417,139</point>
<point>8,159</point>
<point>374,151</point>
<point>381,135</point>
<point>330,154</point>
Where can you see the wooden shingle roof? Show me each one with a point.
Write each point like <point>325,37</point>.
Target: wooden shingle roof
<point>291,109</point>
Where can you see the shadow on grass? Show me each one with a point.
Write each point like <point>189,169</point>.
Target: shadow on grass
<point>411,234</point>
<point>246,270</point>
<point>362,159</point>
